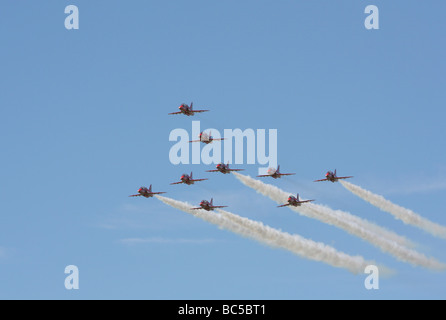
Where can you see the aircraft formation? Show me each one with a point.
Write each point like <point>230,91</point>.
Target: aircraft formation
<point>187,179</point>
<point>382,238</point>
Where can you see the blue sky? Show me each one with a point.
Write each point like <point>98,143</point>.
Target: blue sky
<point>83,124</point>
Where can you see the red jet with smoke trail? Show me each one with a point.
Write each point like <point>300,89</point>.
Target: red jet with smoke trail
<point>206,138</point>
<point>331,176</point>
<point>275,173</point>
<point>144,192</point>
<point>188,111</point>
<point>224,168</point>
<point>188,179</point>
<point>294,201</point>
<point>208,206</point>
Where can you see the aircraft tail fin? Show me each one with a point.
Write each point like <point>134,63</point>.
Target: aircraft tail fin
<point>191,106</point>
<point>212,202</point>
<point>297,197</point>
<point>150,188</point>
<point>191,177</point>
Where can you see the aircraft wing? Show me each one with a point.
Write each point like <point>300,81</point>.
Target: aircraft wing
<point>212,170</point>
<point>136,195</point>
<point>157,192</point>
<point>179,182</point>
<point>344,177</point>
<point>264,175</point>
<point>196,180</point>
<point>286,174</point>
<point>218,207</point>
<point>195,141</point>
<point>178,112</point>
<point>196,208</point>
<point>283,205</point>
<point>235,170</point>
<point>199,111</point>
<point>305,201</point>
<point>320,180</point>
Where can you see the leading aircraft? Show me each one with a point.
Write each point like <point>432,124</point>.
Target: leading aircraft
<point>294,201</point>
<point>206,138</point>
<point>275,173</point>
<point>188,111</point>
<point>331,176</point>
<point>144,192</point>
<point>224,168</point>
<point>208,206</point>
<point>188,179</point>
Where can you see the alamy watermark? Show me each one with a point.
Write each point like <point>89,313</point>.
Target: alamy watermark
<point>72,20</point>
<point>370,22</point>
<point>72,280</point>
<point>371,282</point>
<point>230,149</point>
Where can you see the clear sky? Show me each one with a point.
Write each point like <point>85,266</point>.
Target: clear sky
<point>83,124</point>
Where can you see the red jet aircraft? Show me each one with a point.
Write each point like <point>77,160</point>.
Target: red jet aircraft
<point>205,138</point>
<point>188,111</point>
<point>224,168</point>
<point>294,201</point>
<point>331,176</point>
<point>187,179</point>
<point>208,206</point>
<point>275,173</point>
<point>144,192</point>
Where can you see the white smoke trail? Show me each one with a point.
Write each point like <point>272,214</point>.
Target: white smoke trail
<point>256,230</point>
<point>383,239</point>
<point>329,216</point>
<point>403,214</point>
